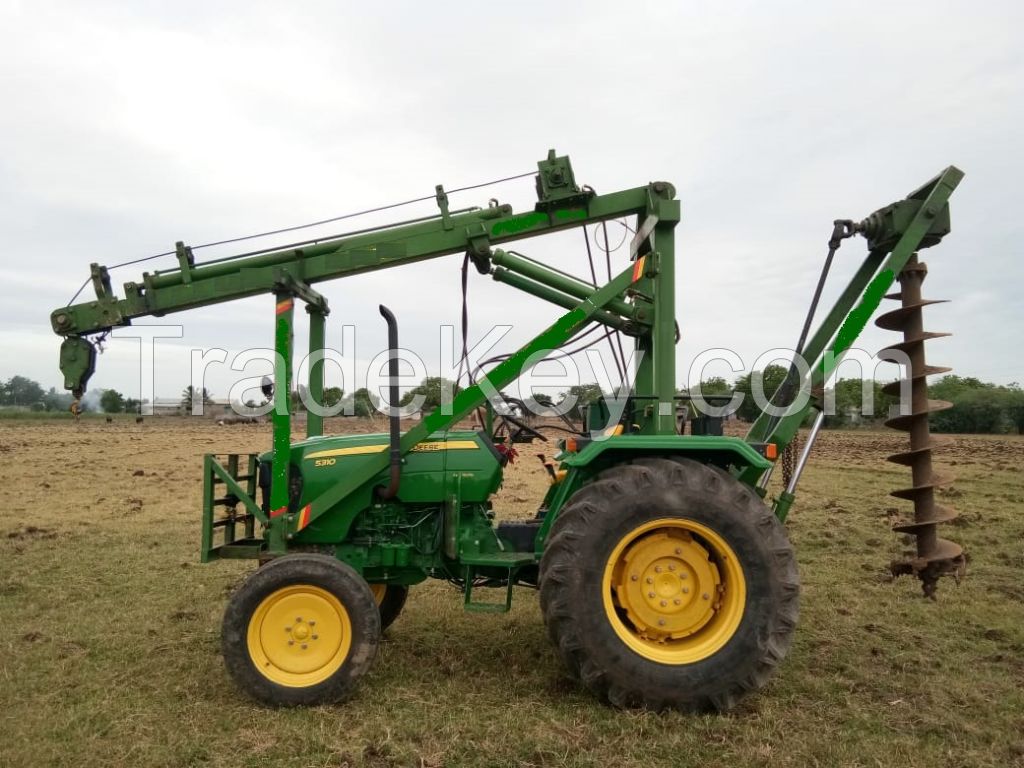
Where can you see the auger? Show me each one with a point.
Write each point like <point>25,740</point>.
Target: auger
<point>934,556</point>
<point>665,574</point>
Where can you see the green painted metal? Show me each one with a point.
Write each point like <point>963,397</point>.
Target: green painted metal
<point>322,492</point>
<point>725,451</point>
<point>317,343</point>
<point>502,275</point>
<point>284,313</point>
<point>215,476</point>
<point>558,281</point>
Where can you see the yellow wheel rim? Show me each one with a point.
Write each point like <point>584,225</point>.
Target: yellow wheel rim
<point>379,590</point>
<point>299,636</point>
<point>674,591</point>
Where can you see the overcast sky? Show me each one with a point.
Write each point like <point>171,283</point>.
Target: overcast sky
<point>128,126</point>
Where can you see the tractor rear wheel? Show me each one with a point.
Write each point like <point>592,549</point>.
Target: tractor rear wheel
<point>301,630</point>
<point>669,584</point>
<point>390,599</point>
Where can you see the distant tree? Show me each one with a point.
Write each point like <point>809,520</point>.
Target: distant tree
<point>537,403</point>
<point>978,406</point>
<point>364,403</point>
<point>544,401</point>
<point>131,405</point>
<point>20,390</point>
<point>766,381</point>
<point>715,385</point>
<point>580,396</point>
<point>849,399</point>
<point>1015,407</point>
<point>434,391</point>
<point>333,396</point>
<point>112,401</point>
<point>56,401</point>
<point>191,399</point>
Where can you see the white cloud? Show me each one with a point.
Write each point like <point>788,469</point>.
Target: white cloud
<point>127,127</point>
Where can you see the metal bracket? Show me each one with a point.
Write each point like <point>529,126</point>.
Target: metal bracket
<point>442,203</point>
<point>185,261</point>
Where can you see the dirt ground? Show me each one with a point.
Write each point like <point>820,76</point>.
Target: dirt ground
<point>110,646</point>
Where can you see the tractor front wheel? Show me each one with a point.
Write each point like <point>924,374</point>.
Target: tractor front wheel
<point>301,630</point>
<point>669,584</point>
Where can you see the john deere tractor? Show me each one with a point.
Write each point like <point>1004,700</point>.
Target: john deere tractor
<point>665,575</point>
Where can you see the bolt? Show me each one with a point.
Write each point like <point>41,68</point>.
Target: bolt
<point>706,596</point>
<point>316,637</point>
<point>679,550</point>
<point>650,594</point>
<point>298,620</point>
<point>661,622</point>
<point>287,629</point>
<point>291,642</point>
<point>664,603</point>
<point>686,590</point>
<point>682,575</point>
<point>677,601</point>
<point>304,646</point>
<point>649,580</point>
<point>312,623</point>
<point>657,569</point>
<point>671,567</point>
<point>634,577</point>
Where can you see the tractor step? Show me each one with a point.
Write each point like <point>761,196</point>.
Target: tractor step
<point>499,559</point>
<point>509,562</point>
<point>242,549</point>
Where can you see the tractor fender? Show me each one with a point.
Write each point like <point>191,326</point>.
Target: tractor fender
<point>707,449</point>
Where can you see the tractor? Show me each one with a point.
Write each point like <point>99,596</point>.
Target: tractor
<point>665,575</point>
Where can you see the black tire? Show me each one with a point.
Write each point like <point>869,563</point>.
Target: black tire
<point>572,581</point>
<point>283,579</point>
<point>391,604</point>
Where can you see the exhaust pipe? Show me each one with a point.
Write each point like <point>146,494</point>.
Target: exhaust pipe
<point>395,452</point>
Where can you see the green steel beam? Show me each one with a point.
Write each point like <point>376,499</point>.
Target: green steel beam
<point>317,344</point>
<point>284,313</point>
<point>226,280</point>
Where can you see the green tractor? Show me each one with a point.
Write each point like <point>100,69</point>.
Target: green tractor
<point>666,578</point>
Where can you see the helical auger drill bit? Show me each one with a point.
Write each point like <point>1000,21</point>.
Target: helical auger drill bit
<point>934,556</point>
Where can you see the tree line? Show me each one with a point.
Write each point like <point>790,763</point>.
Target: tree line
<point>978,406</point>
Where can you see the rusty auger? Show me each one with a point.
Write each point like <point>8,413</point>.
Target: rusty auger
<point>935,556</point>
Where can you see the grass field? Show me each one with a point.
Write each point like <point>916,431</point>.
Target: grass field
<point>110,646</point>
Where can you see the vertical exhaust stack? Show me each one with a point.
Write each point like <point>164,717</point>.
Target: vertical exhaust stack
<point>934,556</point>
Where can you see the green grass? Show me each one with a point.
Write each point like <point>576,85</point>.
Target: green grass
<point>110,646</point>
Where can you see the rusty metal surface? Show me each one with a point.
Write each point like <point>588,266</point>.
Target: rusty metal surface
<point>933,556</point>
